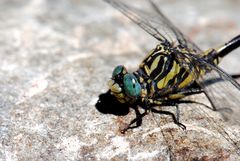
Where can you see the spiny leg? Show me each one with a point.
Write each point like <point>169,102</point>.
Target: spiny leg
<point>177,102</point>
<point>139,116</point>
<point>177,113</point>
<point>196,89</point>
<point>175,120</point>
<point>192,91</point>
<point>174,103</point>
<point>137,120</point>
<point>171,103</point>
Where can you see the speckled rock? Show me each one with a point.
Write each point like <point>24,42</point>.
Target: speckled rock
<point>56,58</point>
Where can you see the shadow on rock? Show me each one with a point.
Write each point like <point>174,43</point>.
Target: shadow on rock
<point>108,104</point>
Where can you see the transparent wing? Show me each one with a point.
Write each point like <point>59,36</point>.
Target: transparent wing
<point>223,92</point>
<point>155,23</point>
<point>221,89</point>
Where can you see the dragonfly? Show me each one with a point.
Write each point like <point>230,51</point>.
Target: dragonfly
<point>174,69</point>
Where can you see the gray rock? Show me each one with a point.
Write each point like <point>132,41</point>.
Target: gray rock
<point>56,58</point>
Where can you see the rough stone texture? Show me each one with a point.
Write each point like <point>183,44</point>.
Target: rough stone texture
<point>56,57</point>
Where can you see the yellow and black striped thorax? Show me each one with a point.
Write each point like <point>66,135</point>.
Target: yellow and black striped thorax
<point>161,70</point>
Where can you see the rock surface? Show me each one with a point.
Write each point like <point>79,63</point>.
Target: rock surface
<point>56,58</point>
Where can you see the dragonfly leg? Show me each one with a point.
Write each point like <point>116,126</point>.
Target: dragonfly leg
<point>211,102</point>
<point>196,89</point>
<point>177,113</point>
<point>176,104</point>
<point>175,120</point>
<point>137,120</point>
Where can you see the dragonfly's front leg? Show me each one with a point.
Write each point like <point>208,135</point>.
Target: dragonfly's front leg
<point>137,120</point>
<point>146,104</point>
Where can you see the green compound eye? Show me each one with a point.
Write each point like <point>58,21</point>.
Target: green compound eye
<point>131,85</point>
<point>118,70</point>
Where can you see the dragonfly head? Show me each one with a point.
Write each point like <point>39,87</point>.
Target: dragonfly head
<point>124,86</point>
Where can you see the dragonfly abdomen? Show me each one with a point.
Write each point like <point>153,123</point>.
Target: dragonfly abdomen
<point>228,47</point>
<point>215,55</point>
